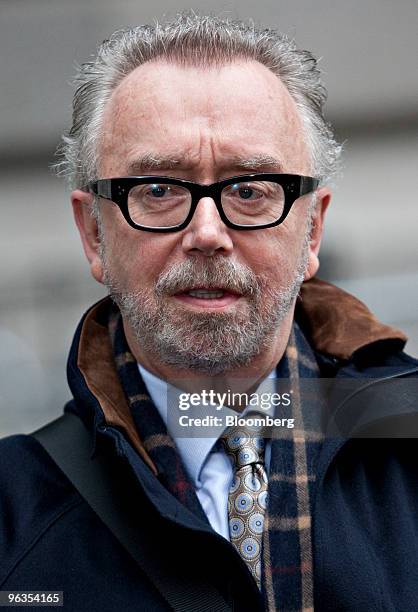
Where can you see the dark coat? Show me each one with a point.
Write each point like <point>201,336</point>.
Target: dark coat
<point>365,521</point>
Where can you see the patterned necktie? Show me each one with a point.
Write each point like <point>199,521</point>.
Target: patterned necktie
<point>247,499</point>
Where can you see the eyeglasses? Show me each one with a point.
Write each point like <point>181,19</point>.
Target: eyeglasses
<point>165,204</point>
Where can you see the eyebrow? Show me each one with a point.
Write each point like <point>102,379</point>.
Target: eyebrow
<point>150,161</point>
<point>258,162</point>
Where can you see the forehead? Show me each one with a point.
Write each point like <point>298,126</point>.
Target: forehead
<point>202,115</point>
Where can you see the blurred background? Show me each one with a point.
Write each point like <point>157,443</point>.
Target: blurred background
<point>369,52</point>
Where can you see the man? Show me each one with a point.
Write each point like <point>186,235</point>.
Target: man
<point>199,160</point>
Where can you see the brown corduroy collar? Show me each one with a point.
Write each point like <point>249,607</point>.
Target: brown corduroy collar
<point>336,323</point>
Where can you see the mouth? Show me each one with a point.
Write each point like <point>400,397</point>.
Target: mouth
<point>208,298</point>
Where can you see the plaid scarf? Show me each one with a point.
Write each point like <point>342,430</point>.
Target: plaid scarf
<point>150,426</point>
<point>287,574</point>
<point>287,547</point>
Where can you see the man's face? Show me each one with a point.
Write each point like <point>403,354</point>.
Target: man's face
<point>203,125</point>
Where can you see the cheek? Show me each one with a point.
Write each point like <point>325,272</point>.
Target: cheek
<point>274,253</point>
<point>136,258</point>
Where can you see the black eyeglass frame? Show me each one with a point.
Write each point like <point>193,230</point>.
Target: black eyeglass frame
<point>117,189</point>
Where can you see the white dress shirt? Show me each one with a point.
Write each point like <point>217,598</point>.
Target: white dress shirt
<point>207,465</point>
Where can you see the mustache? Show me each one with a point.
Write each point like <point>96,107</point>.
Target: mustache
<point>220,273</point>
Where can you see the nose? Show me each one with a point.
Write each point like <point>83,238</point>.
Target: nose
<point>206,233</point>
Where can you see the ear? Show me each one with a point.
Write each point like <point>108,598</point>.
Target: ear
<point>323,198</point>
<point>87,226</point>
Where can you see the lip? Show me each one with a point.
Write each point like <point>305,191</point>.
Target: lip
<point>226,300</point>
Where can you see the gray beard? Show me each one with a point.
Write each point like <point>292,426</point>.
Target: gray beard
<point>210,343</point>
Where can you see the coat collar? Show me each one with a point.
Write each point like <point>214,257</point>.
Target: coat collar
<point>339,324</point>
<point>335,322</point>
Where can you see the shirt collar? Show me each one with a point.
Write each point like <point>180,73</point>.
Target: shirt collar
<point>193,451</point>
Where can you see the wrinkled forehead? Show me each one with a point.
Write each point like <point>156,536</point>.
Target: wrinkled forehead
<point>211,113</point>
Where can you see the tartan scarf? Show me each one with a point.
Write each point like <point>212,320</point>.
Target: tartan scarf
<point>287,568</point>
<point>151,428</point>
<point>287,573</point>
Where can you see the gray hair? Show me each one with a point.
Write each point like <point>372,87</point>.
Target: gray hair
<point>192,39</point>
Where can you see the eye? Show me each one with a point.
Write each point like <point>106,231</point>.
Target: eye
<point>159,191</point>
<point>245,191</point>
